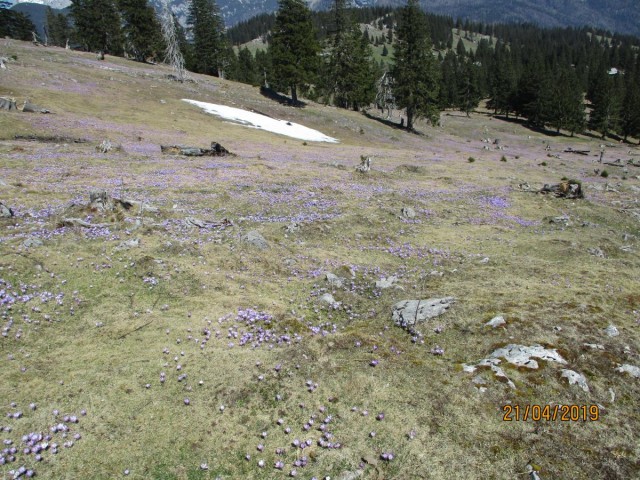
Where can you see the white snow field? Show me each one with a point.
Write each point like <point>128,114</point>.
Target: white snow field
<point>262,122</point>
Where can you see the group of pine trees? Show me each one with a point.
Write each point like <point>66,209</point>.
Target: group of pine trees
<point>14,24</point>
<point>562,79</point>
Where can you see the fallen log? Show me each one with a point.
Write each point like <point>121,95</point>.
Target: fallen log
<point>77,222</point>
<point>196,222</point>
<point>49,138</point>
<point>29,107</point>
<point>579,152</point>
<point>216,150</point>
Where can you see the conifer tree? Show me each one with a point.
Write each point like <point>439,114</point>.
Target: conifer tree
<point>246,71</point>
<point>97,25</point>
<point>448,93</point>
<point>14,24</point>
<point>207,28</point>
<point>565,102</point>
<point>605,114</point>
<point>502,83</point>
<point>415,71</point>
<point>57,28</point>
<point>350,73</point>
<point>294,48</point>
<point>263,67</point>
<point>469,90</point>
<point>630,111</point>
<point>141,29</point>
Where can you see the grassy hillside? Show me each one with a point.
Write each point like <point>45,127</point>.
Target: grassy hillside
<point>188,353</point>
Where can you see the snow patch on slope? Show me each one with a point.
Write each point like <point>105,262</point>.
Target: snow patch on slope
<point>262,122</point>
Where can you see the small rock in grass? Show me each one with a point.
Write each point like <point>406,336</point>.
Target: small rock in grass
<point>408,212</point>
<point>575,378</point>
<point>630,369</point>
<point>612,331</point>
<point>328,298</point>
<point>32,242</point>
<point>388,282</point>
<point>334,280</point>
<point>254,238</point>
<point>496,322</point>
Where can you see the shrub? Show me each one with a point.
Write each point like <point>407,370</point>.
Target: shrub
<point>471,159</point>
<point>503,159</point>
<point>604,174</point>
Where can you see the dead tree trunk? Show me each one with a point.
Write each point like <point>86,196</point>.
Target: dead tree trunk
<point>172,53</point>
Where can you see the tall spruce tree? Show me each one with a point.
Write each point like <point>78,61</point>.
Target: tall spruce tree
<point>469,88</point>
<point>605,115</point>
<point>207,27</point>
<point>97,25</point>
<point>293,48</point>
<point>415,70</point>
<point>246,71</point>
<point>351,72</point>
<point>565,101</point>
<point>502,82</point>
<point>57,28</point>
<point>141,29</point>
<point>630,111</point>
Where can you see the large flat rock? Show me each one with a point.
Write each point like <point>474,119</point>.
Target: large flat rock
<point>408,314</point>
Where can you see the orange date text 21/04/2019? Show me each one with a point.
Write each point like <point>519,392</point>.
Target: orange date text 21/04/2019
<point>551,413</point>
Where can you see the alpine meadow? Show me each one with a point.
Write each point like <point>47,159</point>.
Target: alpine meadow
<point>349,242</point>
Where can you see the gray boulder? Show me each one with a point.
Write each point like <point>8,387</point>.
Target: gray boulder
<point>328,298</point>
<point>5,212</point>
<point>612,331</point>
<point>409,313</point>
<point>32,242</point>
<point>576,378</point>
<point>408,212</point>
<point>496,322</point>
<point>388,282</point>
<point>630,369</point>
<point>256,239</point>
<point>334,280</point>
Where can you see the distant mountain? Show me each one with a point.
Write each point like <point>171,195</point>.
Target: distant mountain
<point>621,16</point>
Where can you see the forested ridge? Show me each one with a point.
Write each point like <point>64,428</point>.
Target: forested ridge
<point>565,79</point>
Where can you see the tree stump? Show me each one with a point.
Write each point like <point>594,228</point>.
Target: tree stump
<point>7,104</point>
<point>568,189</point>
<point>365,164</point>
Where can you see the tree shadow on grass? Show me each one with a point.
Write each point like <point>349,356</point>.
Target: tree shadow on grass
<point>386,122</point>
<point>281,99</point>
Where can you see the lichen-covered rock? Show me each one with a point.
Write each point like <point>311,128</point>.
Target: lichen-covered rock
<point>388,282</point>
<point>496,322</point>
<point>334,280</point>
<point>328,298</point>
<point>408,212</point>
<point>575,378</point>
<point>612,331</point>
<point>521,356</point>
<point>409,313</point>
<point>630,369</point>
<point>5,212</point>
<point>256,239</point>
<point>32,242</point>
